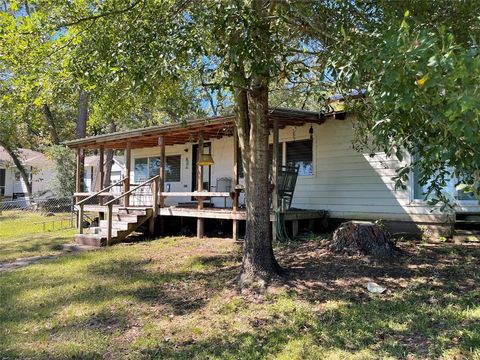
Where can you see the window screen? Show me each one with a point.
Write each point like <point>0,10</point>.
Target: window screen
<point>153,166</point>
<point>172,168</point>
<point>141,170</point>
<point>300,153</point>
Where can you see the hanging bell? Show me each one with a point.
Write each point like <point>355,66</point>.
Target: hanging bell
<point>205,160</point>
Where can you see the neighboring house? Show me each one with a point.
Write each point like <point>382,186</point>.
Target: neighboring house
<point>91,177</point>
<point>40,170</point>
<point>333,176</point>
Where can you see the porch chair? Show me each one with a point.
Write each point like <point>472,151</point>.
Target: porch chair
<point>224,184</point>
<point>286,181</point>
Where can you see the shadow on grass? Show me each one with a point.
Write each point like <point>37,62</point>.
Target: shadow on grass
<point>325,307</point>
<point>30,245</point>
<point>349,328</point>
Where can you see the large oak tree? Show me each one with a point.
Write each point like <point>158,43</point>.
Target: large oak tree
<point>417,70</point>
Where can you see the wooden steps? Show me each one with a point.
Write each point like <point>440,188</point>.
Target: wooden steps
<point>466,235</point>
<point>467,227</point>
<point>124,222</point>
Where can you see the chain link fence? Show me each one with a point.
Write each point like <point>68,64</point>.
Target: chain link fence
<point>45,214</point>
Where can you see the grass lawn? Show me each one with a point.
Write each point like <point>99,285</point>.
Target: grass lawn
<point>173,299</point>
<point>22,235</point>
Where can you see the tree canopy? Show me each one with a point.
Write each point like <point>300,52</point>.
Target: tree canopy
<point>147,61</point>
<point>420,73</point>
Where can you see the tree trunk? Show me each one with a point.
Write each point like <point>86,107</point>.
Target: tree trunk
<point>18,164</point>
<point>112,127</point>
<point>82,116</point>
<point>363,237</point>
<point>51,124</point>
<point>251,120</point>
<point>258,258</point>
<point>81,130</point>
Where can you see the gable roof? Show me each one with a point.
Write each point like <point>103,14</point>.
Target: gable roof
<point>94,160</point>
<point>27,157</point>
<point>181,133</point>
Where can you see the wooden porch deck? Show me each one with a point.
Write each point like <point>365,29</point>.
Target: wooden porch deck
<point>123,218</point>
<point>240,214</point>
<point>217,213</point>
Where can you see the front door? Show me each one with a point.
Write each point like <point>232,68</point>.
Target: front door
<point>207,147</point>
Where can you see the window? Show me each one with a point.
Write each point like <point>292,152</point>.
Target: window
<point>141,170</point>
<point>418,190</point>
<point>146,168</point>
<point>172,168</point>
<point>300,153</point>
<point>465,195</point>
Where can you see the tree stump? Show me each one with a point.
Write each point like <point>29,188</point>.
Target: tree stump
<point>358,237</point>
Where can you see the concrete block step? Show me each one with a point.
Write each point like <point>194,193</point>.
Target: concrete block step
<point>90,239</point>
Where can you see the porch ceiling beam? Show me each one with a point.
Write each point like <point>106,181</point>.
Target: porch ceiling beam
<point>183,133</point>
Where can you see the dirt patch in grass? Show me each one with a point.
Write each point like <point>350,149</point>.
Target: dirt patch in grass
<point>174,299</point>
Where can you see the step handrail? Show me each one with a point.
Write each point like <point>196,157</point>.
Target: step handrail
<point>132,190</point>
<point>103,190</point>
<point>109,205</point>
<point>81,203</point>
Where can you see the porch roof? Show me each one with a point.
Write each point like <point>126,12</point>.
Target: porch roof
<point>181,133</point>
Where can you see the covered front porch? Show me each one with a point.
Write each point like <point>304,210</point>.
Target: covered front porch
<point>190,170</point>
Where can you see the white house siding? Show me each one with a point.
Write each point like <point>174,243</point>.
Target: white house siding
<point>87,178</point>
<point>9,181</point>
<point>41,179</point>
<point>116,174</point>
<point>348,184</point>
<point>353,185</point>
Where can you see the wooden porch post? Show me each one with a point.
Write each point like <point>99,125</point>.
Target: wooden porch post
<point>235,183</point>
<point>78,179</point>
<point>161,143</point>
<point>275,164</point>
<point>151,226</point>
<point>78,187</point>
<point>161,180</point>
<point>200,221</point>
<point>128,167</point>
<point>101,166</point>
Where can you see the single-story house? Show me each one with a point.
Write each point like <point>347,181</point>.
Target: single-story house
<point>91,175</point>
<point>40,170</point>
<point>332,176</point>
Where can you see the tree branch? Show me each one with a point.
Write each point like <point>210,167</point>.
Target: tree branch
<point>99,16</point>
